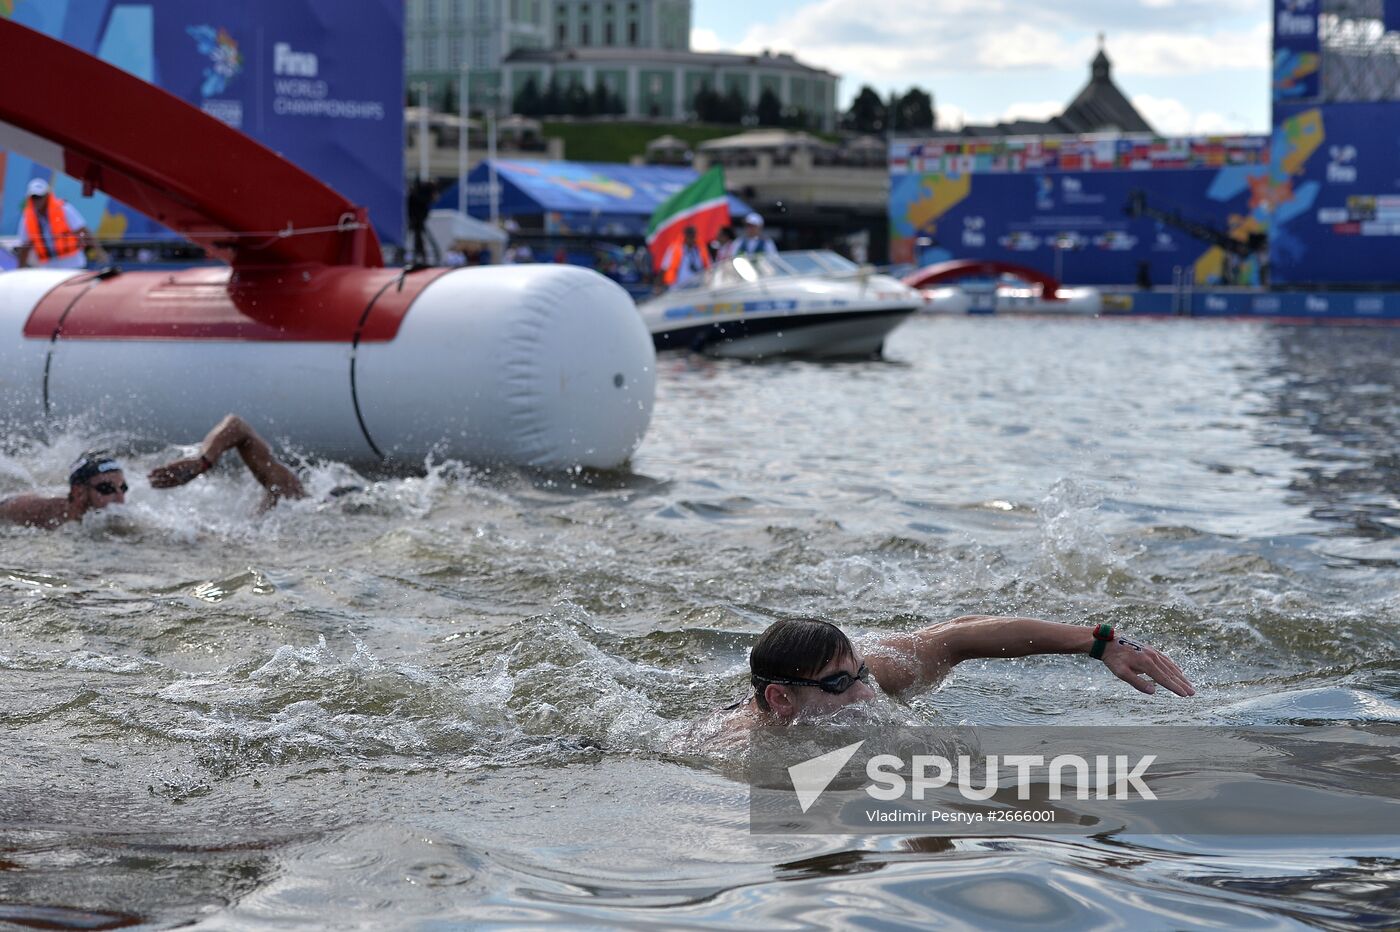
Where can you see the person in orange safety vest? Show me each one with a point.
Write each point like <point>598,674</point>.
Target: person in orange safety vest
<point>51,230</point>
<point>684,260</point>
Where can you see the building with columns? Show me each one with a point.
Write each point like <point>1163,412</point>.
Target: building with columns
<point>662,84</point>
<point>637,49</point>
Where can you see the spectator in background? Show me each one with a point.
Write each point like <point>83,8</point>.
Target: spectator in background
<point>725,244</point>
<point>51,231</point>
<point>518,254</point>
<point>420,204</point>
<point>1144,275</point>
<point>685,260</point>
<point>754,242</point>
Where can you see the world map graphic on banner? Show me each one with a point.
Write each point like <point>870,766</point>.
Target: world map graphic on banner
<point>1060,204</point>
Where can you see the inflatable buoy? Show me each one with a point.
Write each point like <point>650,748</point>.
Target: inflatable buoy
<point>304,333</point>
<point>537,365</point>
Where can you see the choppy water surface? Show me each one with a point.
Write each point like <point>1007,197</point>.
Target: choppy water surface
<point>467,697</point>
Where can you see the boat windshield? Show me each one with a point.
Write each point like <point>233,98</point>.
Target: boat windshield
<point>743,269</point>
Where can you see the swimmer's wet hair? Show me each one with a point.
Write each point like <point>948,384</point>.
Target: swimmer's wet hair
<point>795,648</point>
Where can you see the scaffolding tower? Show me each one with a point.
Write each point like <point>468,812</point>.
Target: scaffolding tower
<point>1360,56</point>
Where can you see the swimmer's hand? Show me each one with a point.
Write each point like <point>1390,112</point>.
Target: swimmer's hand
<point>178,472</point>
<point>1145,668</point>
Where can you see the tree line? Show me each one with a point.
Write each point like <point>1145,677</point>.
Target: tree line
<point>572,99</point>
<point>911,111</point>
<point>908,112</point>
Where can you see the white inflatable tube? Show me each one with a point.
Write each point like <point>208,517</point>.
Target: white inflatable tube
<point>535,365</point>
<point>550,366</point>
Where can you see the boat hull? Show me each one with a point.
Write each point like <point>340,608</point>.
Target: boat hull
<point>839,335</point>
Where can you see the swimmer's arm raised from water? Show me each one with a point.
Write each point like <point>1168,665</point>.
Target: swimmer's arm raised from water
<point>229,434</point>
<point>906,663</point>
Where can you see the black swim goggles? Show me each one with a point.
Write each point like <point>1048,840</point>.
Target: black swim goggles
<point>835,684</point>
<point>108,488</point>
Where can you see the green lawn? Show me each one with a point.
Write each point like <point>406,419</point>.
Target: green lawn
<point>618,142</point>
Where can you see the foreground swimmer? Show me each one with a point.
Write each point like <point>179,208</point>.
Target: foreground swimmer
<point>97,481</point>
<point>802,667</point>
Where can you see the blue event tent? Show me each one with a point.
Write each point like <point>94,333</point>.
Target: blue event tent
<point>578,198</point>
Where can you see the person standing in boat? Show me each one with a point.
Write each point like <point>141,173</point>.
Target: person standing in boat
<point>96,479</point>
<point>754,242</point>
<point>725,244</point>
<point>51,231</point>
<point>685,260</point>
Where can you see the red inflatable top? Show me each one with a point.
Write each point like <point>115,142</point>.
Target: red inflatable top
<point>171,161</point>
<point>952,271</point>
<point>282,305</point>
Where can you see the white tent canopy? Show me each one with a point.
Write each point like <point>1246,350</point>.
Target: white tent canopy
<point>449,226</point>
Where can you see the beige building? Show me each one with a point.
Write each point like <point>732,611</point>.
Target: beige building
<point>812,193</point>
<point>443,37</point>
<point>662,84</point>
<point>638,50</point>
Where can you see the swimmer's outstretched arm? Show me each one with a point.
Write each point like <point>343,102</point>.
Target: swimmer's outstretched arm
<point>38,510</point>
<point>233,433</point>
<point>906,663</point>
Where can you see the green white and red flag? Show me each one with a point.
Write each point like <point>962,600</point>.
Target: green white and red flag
<point>703,204</point>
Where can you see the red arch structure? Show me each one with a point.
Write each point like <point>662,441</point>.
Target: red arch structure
<point>171,161</point>
<point>958,269</point>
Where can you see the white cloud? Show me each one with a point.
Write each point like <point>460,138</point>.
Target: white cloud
<point>1033,110</point>
<point>1166,53</point>
<point>950,48</point>
<point>1027,46</point>
<point>951,116</point>
<point>1173,118</point>
<point>1167,115</point>
<point>896,38</point>
<point>705,40</point>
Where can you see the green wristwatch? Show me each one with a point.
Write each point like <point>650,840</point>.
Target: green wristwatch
<point>1103,636</point>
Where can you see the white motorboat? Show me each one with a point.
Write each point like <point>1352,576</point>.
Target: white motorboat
<point>1011,298</point>
<point>814,303</point>
<point>989,286</point>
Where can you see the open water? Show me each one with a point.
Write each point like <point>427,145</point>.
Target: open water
<point>467,698</point>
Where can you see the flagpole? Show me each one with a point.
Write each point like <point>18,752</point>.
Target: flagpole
<point>423,131</point>
<point>462,141</point>
<point>491,157</point>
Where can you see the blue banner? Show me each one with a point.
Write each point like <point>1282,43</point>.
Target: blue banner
<point>1297,51</point>
<point>577,198</point>
<point>1288,305</point>
<point>319,81</point>
<point>1335,186</point>
<point>1076,225</point>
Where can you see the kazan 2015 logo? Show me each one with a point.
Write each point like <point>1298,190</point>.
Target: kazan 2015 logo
<point>225,61</point>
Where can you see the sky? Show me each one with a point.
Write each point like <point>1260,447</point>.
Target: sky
<point>1189,66</point>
